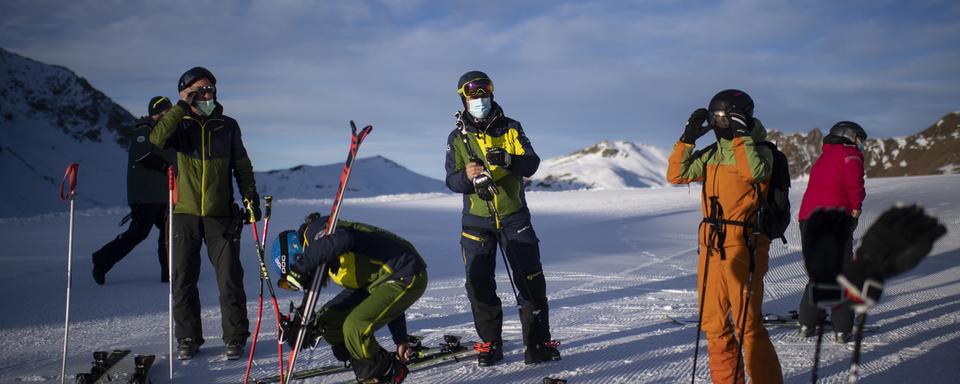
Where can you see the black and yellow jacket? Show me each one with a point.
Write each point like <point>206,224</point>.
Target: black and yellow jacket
<point>209,152</point>
<point>499,131</point>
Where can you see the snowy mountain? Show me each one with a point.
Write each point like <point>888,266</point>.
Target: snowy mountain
<point>50,117</point>
<point>605,165</point>
<point>929,152</point>
<point>371,176</point>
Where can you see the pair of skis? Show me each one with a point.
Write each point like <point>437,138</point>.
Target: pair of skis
<point>450,349</point>
<point>106,368</point>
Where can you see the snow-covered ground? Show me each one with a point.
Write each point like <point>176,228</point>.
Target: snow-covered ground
<point>618,262</point>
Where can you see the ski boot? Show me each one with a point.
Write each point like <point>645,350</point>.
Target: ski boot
<point>187,348</point>
<point>489,353</point>
<point>234,349</point>
<point>841,337</point>
<point>541,353</point>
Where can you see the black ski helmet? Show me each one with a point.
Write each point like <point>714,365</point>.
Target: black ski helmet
<point>848,130</point>
<point>471,76</point>
<point>733,101</point>
<point>192,75</point>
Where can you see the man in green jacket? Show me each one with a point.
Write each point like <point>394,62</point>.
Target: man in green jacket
<point>381,274</point>
<point>209,153</point>
<point>146,195</point>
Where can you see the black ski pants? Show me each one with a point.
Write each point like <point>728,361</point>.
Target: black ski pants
<point>519,241</point>
<point>222,237</point>
<point>142,218</point>
<point>841,316</point>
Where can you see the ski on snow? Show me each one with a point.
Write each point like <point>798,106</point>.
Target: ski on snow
<point>141,369</point>
<point>769,320</point>
<point>451,349</point>
<point>105,366</point>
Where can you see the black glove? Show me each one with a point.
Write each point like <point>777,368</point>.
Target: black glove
<point>825,246</point>
<point>695,128</point>
<point>251,205</point>
<point>485,186</point>
<point>498,157</point>
<point>894,244</point>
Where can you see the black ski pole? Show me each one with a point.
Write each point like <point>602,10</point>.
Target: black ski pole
<point>815,372</point>
<point>711,236</point>
<point>746,301</point>
<point>858,339</point>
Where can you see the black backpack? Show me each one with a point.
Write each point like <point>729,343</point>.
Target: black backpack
<point>775,209</point>
<point>774,212</point>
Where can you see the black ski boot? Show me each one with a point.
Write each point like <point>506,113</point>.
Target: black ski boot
<point>541,353</point>
<point>397,372</point>
<point>489,353</point>
<point>187,348</point>
<point>234,349</point>
<point>99,276</point>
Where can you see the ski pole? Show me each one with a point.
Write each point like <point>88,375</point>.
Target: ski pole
<point>260,243</point>
<point>70,175</point>
<point>746,301</point>
<point>171,186</point>
<point>816,352</point>
<point>858,340</point>
<point>711,236</point>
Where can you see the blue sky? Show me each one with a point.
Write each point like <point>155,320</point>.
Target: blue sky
<point>293,73</point>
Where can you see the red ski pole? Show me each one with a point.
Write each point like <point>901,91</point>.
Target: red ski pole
<point>71,175</point>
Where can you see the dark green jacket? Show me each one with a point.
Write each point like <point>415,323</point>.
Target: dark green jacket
<point>147,167</point>
<point>209,152</point>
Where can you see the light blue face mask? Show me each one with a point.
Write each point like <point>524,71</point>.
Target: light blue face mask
<point>205,107</point>
<point>479,108</point>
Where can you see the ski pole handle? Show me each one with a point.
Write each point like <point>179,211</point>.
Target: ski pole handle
<point>69,174</point>
<point>268,204</point>
<point>172,184</point>
<point>249,204</point>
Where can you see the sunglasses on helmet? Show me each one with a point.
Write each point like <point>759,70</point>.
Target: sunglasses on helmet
<point>476,88</point>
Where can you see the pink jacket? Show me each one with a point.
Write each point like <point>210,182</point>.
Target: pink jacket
<point>836,181</point>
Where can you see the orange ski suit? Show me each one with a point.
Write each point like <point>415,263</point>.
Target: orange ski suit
<point>735,175</point>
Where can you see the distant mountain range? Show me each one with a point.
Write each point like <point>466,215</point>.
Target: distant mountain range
<point>50,117</point>
<point>605,165</point>
<point>371,176</point>
<point>929,152</point>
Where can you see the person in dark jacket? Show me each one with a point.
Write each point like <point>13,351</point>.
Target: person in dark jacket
<point>836,181</point>
<point>488,155</point>
<point>381,274</point>
<point>210,153</point>
<point>146,196</point>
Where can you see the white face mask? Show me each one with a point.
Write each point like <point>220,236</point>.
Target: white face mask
<point>479,108</point>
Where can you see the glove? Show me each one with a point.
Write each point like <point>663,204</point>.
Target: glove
<point>251,204</point>
<point>293,280</point>
<point>485,186</point>
<point>694,128</point>
<point>498,157</point>
<point>894,244</point>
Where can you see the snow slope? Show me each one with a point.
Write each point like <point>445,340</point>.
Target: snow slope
<point>49,118</point>
<point>605,165</point>
<point>618,262</point>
